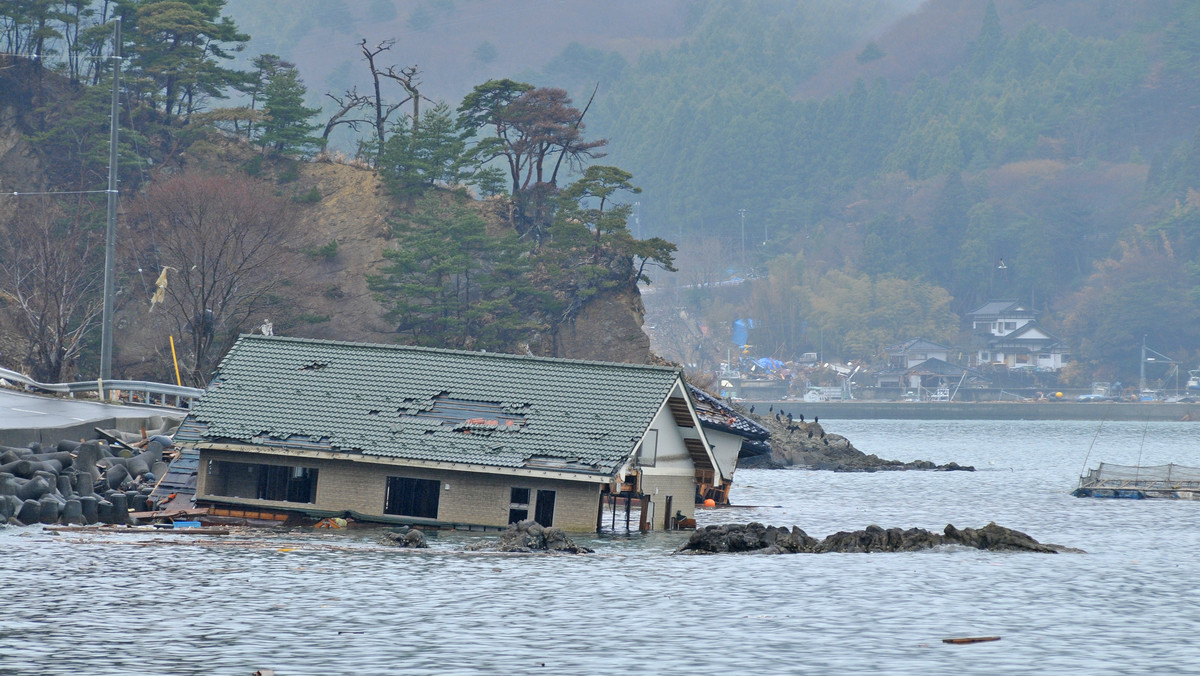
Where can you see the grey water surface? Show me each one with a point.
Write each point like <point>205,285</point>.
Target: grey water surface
<point>312,602</point>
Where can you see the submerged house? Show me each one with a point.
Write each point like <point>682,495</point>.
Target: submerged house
<point>444,438</point>
<point>732,436</point>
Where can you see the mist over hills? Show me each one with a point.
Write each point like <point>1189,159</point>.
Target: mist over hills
<point>849,174</point>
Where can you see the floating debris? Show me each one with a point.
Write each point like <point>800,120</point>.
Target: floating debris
<point>530,536</point>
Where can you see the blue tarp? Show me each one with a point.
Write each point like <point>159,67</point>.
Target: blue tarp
<point>741,331</point>
<point>770,364</point>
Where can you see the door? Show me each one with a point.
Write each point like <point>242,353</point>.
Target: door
<point>544,512</point>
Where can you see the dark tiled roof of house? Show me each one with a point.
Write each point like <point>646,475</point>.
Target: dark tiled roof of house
<point>998,308</point>
<point>935,367</point>
<point>429,404</point>
<point>716,414</point>
<point>916,344</point>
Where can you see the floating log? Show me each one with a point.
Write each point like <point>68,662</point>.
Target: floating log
<point>971,639</point>
<point>204,530</point>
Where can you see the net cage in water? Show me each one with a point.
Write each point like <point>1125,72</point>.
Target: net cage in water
<point>1134,481</point>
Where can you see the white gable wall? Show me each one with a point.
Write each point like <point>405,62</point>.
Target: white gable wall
<point>725,446</point>
<point>667,469</point>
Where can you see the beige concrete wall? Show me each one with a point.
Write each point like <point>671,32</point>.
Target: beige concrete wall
<point>682,490</point>
<point>465,498</point>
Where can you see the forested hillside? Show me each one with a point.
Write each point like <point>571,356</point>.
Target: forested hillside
<point>222,230</point>
<point>1054,137</point>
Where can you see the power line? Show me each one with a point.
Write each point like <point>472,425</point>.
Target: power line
<point>55,192</point>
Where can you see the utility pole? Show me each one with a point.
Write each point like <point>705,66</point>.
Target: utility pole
<point>110,236</point>
<point>742,213</point>
<point>637,220</point>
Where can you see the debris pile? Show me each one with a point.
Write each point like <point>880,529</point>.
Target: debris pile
<point>411,538</point>
<point>759,539</point>
<point>78,483</point>
<point>530,536</point>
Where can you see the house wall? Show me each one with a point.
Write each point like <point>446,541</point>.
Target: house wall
<point>725,446</point>
<point>466,498</point>
<point>673,473</point>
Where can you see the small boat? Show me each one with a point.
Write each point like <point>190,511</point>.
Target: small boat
<point>1193,381</point>
<point>1132,482</point>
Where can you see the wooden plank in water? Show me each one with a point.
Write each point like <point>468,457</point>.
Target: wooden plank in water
<point>121,529</point>
<point>970,639</point>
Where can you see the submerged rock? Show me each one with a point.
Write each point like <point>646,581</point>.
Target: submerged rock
<point>759,539</point>
<point>411,538</point>
<point>530,536</point>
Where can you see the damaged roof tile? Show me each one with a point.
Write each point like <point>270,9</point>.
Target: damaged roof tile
<point>431,404</point>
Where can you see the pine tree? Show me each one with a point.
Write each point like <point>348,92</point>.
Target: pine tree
<point>415,160</point>
<point>287,128</point>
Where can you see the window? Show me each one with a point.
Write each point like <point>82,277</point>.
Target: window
<point>278,483</point>
<point>518,507</point>
<point>412,497</point>
<point>1010,326</point>
<point>648,452</point>
<point>544,514</point>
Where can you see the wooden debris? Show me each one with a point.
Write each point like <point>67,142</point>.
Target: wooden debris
<point>970,639</point>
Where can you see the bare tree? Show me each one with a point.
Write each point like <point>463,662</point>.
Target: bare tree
<point>347,102</point>
<point>229,240</point>
<point>382,111</point>
<point>407,77</point>
<point>51,277</point>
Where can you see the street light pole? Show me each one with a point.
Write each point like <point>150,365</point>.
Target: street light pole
<point>742,213</point>
<point>110,237</point>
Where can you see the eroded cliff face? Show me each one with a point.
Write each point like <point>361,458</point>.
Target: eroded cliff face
<point>607,328</point>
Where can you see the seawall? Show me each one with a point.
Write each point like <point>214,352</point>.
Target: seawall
<point>1046,410</point>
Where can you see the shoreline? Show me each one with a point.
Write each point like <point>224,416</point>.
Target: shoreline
<point>1041,410</point>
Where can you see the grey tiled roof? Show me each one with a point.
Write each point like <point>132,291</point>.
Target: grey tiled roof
<point>430,404</point>
<point>715,414</point>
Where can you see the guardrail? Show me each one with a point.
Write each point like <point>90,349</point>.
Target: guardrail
<point>129,391</point>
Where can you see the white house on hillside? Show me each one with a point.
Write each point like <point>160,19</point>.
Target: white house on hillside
<point>1006,333</point>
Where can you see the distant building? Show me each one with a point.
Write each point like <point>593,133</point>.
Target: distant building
<point>445,438</point>
<point>1006,333</point>
<point>903,357</point>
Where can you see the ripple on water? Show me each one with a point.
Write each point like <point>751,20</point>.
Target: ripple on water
<point>338,603</point>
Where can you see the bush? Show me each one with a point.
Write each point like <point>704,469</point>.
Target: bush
<point>311,197</point>
<point>326,252</point>
<point>255,166</point>
<point>289,172</point>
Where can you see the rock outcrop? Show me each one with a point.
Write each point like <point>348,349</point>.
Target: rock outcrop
<point>529,536</point>
<point>806,444</point>
<point>755,538</point>
<point>410,538</point>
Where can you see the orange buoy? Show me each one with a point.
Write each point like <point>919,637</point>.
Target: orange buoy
<point>710,503</point>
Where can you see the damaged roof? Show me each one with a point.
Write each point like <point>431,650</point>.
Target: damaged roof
<point>429,404</point>
<point>716,414</point>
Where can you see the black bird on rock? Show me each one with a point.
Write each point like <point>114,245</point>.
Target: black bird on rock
<point>801,417</point>
<point>816,419</point>
<point>752,409</point>
<point>770,408</point>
